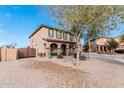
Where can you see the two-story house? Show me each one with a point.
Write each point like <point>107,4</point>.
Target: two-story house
<point>100,45</point>
<point>52,40</point>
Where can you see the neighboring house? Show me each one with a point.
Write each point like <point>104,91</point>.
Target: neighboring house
<point>52,40</point>
<point>100,45</point>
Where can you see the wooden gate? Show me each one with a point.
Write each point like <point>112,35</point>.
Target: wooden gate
<point>26,52</point>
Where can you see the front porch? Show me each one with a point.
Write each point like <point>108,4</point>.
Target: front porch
<point>55,48</point>
<point>103,49</point>
<point>66,59</point>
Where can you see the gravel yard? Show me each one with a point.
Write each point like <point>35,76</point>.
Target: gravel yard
<point>31,73</point>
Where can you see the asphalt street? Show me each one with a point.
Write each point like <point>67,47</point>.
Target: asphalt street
<point>106,58</point>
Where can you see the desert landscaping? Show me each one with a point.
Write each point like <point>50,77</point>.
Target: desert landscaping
<point>77,46</point>
<point>30,72</point>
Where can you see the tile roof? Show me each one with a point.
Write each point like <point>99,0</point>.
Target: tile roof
<point>52,28</point>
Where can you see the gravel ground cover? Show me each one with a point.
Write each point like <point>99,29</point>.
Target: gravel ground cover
<point>29,73</point>
<point>101,73</point>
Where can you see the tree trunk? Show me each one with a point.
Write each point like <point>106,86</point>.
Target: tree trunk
<point>89,48</point>
<point>112,51</point>
<point>78,49</point>
<point>78,54</point>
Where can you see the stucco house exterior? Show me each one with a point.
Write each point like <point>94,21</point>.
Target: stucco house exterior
<point>47,40</point>
<point>99,45</point>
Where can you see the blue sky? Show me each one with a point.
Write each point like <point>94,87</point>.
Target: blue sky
<point>18,22</point>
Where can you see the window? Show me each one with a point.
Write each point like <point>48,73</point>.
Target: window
<point>58,34</point>
<point>50,33</point>
<point>65,36</point>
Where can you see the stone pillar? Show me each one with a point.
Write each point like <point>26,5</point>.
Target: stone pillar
<point>103,49</point>
<point>99,49</point>
<point>107,49</point>
<point>67,49</point>
<point>59,48</point>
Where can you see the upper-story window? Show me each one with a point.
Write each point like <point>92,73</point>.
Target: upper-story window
<point>50,33</point>
<point>58,34</point>
<point>71,37</point>
<point>65,36</point>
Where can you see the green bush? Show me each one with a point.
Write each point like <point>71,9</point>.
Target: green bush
<point>49,55</point>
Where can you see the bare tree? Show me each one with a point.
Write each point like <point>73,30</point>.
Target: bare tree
<point>12,45</point>
<point>78,18</point>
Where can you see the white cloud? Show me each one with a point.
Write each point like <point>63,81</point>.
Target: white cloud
<point>8,14</point>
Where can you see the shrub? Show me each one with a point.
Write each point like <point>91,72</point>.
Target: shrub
<point>112,44</point>
<point>60,56</point>
<point>122,38</point>
<point>86,47</point>
<point>81,57</point>
<point>49,55</point>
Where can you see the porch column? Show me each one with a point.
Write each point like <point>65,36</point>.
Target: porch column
<point>107,49</point>
<point>59,48</point>
<point>99,49</point>
<point>102,49</point>
<point>67,49</point>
